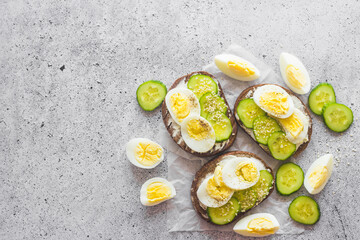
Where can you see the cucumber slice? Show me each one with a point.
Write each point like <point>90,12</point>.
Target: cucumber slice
<point>150,94</point>
<point>280,147</point>
<point>247,198</point>
<point>248,111</point>
<point>263,186</point>
<point>224,214</point>
<point>201,84</point>
<point>305,210</point>
<point>320,96</point>
<point>221,124</point>
<point>210,103</point>
<point>264,126</point>
<point>289,178</point>
<point>338,117</point>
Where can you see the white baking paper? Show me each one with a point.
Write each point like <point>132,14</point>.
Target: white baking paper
<point>182,166</point>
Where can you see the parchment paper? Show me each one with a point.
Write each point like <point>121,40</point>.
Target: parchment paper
<point>182,166</point>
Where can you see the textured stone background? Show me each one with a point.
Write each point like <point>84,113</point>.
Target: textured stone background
<point>69,71</point>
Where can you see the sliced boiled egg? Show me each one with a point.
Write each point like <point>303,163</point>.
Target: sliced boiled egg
<point>236,67</point>
<point>156,190</point>
<point>241,173</point>
<point>257,225</point>
<point>296,126</point>
<point>318,174</point>
<point>182,102</point>
<point>144,153</point>
<point>274,100</point>
<point>198,133</point>
<point>294,73</point>
<point>212,192</point>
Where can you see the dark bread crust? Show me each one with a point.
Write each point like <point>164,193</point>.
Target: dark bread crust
<point>178,138</point>
<point>243,95</point>
<point>209,167</point>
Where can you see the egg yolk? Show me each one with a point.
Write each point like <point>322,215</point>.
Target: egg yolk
<point>198,129</point>
<point>261,226</point>
<point>292,124</point>
<point>295,76</point>
<point>318,176</point>
<point>158,191</point>
<point>241,68</point>
<point>246,172</point>
<point>180,105</point>
<point>147,154</point>
<point>216,188</point>
<point>275,102</point>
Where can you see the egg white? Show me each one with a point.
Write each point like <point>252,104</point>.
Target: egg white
<point>200,146</point>
<point>288,59</point>
<point>222,60</point>
<point>241,227</point>
<point>273,88</point>
<point>143,192</point>
<point>206,199</point>
<point>303,136</point>
<point>131,148</point>
<point>325,160</point>
<point>231,179</point>
<point>194,102</point>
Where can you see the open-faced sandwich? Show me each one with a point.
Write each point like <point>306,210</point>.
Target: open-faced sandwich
<point>197,115</point>
<point>230,185</point>
<point>275,118</point>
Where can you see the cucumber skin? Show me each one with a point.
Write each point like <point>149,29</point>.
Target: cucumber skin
<point>277,189</point>
<point>137,96</point>
<point>317,206</point>
<point>329,104</point>
<point>318,86</point>
<point>279,158</point>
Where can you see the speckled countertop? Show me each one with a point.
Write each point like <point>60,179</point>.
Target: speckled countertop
<point>69,71</point>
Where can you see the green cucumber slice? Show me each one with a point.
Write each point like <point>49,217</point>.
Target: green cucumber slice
<point>201,84</point>
<point>321,95</point>
<point>338,117</point>
<point>264,126</point>
<point>280,147</point>
<point>289,178</point>
<point>247,198</point>
<point>210,103</point>
<point>224,214</point>
<point>263,186</point>
<point>305,210</point>
<point>221,124</point>
<point>150,94</point>
<point>248,111</point>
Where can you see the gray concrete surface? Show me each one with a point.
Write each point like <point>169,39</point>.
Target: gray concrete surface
<point>69,71</point>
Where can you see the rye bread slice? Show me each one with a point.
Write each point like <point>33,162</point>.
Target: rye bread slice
<point>209,168</point>
<point>247,93</point>
<point>174,129</point>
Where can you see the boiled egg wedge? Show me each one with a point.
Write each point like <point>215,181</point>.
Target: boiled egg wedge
<point>198,133</point>
<point>294,73</point>
<point>182,102</point>
<point>319,173</point>
<point>144,153</point>
<point>296,127</point>
<point>236,67</point>
<point>257,225</point>
<point>241,173</point>
<point>156,190</point>
<point>274,100</point>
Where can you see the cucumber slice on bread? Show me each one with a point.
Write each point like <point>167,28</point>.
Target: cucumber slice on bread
<point>201,84</point>
<point>248,111</point>
<point>224,214</point>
